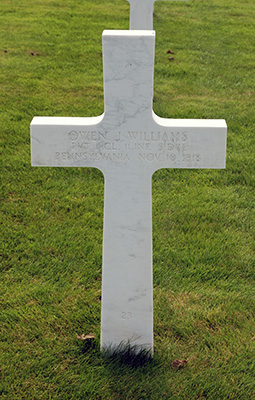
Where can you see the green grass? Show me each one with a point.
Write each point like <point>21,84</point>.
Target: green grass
<point>52,219</point>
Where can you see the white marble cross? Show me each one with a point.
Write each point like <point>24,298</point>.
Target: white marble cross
<point>141,13</point>
<point>128,143</point>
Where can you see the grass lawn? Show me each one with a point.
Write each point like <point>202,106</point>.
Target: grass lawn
<point>51,219</point>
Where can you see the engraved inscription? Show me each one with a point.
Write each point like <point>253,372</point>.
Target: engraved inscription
<point>73,135</point>
<point>191,157</point>
<point>126,315</point>
<point>87,135</point>
<point>155,146</point>
<point>158,136</point>
<point>79,156</point>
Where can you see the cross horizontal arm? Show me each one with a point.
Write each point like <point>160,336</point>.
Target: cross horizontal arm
<point>56,140</point>
<point>150,144</point>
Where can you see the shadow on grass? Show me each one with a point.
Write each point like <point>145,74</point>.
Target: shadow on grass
<point>125,354</point>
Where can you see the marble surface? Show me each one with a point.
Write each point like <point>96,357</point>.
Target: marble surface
<point>141,13</point>
<point>128,143</point>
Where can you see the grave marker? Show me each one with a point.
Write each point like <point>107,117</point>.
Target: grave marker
<point>128,143</point>
<point>141,14</point>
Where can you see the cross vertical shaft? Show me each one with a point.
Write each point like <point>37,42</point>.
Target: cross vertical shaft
<point>127,301</point>
<point>141,14</point>
<point>127,305</point>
